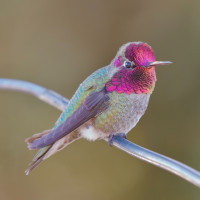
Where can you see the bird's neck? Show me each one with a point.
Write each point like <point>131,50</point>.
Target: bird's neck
<point>141,80</point>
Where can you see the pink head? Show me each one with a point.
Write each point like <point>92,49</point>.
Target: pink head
<point>135,69</point>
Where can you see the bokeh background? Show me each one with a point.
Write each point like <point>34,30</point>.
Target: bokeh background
<point>57,44</point>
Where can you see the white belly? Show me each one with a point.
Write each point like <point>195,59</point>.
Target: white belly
<point>90,133</point>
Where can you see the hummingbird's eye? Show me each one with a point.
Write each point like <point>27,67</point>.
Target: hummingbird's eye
<point>127,64</point>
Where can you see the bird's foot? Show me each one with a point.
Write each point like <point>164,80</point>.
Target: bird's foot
<point>110,138</point>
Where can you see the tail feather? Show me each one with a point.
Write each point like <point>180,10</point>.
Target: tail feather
<point>36,161</point>
<point>39,154</point>
<point>27,172</point>
<point>48,151</point>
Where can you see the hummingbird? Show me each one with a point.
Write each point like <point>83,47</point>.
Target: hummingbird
<point>109,102</point>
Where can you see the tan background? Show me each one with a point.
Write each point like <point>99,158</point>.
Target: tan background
<point>57,44</point>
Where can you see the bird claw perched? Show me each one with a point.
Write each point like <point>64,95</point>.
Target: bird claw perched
<point>110,138</point>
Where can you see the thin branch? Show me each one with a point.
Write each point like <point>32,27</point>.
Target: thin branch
<point>56,100</point>
<point>48,96</point>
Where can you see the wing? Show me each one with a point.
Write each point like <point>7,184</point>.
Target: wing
<point>95,103</point>
<point>96,81</point>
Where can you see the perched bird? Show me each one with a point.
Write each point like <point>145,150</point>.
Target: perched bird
<point>109,102</point>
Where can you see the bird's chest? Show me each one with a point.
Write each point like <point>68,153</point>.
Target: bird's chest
<point>124,112</point>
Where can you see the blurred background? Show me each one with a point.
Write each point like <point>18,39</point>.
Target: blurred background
<point>57,44</point>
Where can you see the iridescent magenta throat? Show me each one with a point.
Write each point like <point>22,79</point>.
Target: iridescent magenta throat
<point>139,80</point>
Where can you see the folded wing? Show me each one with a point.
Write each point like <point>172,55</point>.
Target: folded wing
<point>93,105</point>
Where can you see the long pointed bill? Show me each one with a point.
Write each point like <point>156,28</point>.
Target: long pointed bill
<point>157,63</point>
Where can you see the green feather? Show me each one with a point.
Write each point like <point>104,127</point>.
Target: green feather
<point>95,81</point>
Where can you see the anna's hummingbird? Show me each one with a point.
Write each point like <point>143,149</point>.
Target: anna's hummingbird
<point>110,101</point>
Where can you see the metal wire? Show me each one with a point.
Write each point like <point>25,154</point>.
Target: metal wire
<point>60,102</point>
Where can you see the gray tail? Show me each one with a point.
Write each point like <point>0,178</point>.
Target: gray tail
<point>37,159</point>
<point>48,151</point>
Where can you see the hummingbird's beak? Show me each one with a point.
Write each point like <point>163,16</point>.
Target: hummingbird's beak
<point>157,63</point>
